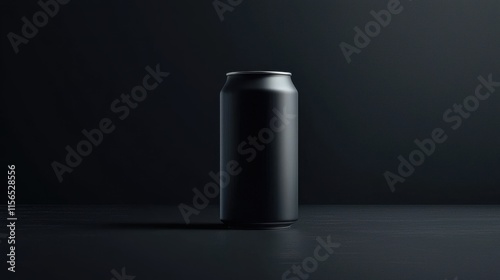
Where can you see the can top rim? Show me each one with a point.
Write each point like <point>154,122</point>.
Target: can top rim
<point>258,73</point>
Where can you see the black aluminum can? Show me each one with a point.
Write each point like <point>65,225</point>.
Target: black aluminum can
<point>259,150</point>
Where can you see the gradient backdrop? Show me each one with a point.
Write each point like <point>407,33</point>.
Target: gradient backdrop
<point>355,118</point>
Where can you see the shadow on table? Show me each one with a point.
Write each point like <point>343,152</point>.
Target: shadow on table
<point>183,226</point>
<point>128,225</point>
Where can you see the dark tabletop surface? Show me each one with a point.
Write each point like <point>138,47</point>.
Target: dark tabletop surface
<point>152,242</point>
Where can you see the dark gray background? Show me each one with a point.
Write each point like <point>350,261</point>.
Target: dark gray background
<point>355,119</point>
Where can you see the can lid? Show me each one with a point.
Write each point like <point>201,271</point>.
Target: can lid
<point>259,73</point>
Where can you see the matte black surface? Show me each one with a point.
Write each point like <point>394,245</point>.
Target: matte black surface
<point>259,117</point>
<point>376,242</point>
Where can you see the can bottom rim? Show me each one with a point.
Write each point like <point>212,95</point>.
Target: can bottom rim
<point>258,73</point>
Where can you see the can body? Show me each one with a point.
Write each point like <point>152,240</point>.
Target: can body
<point>259,150</point>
